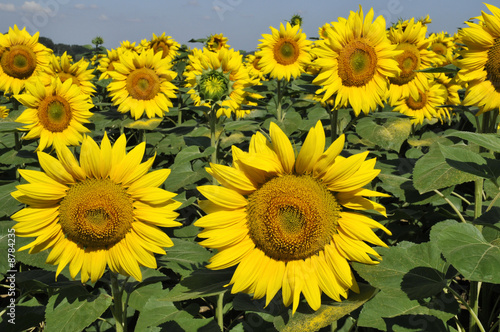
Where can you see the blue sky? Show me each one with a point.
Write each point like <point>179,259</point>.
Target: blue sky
<point>242,21</point>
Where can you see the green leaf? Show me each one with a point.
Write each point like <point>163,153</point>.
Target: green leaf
<point>305,319</point>
<point>390,135</point>
<point>13,157</point>
<point>8,204</point>
<point>200,283</point>
<point>9,126</point>
<point>73,309</point>
<point>432,171</point>
<point>467,250</point>
<point>25,318</point>
<point>488,141</point>
<point>157,311</point>
<point>445,69</point>
<point>184,257</point>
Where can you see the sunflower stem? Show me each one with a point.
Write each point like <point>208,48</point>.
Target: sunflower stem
<point>334,115</point>
<point>279,111</point>
<point>17,141</point>
<point>117,308</point>
<point>214,142</point>
<point>452,205</point>
<point>219,311</point>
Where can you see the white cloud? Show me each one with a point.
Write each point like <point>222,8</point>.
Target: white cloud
<point>7,7</point>
<point>93,6</point>
<point>103,17</point>
<point>80,6</point>
<point>34,7</point>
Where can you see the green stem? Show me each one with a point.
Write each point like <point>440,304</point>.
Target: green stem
<point>279,111</point>
<point>219,311</point>
<point>117,308</point>
<point>17,141</point>
<point>473,314</point>
<point>451,204</point>
<point>478,198</point>
<point>334,115</point>
<point>214,142</point>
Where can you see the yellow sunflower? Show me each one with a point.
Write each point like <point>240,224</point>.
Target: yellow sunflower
<point>103,210</point>
<point>55,113</point>
<point>216,42</point>
<point>427,105</point>
<point>4,112</point>
<point>142,84</point>
<point>355,60</point>
<point>166,44</point>
<point>287,222</point>
<point>79,72</point>
<point>107,63</point>
<point>480,63</point>
<point>22,59</point>
<point>443,45</point>
<point>284,52</point>
<point>410,39</point>
<point>218,77</point>
<point>252,64</point>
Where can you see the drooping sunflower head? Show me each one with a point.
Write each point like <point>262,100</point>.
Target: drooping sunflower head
<point>22,59</point>
<point>166,44</point>
<point>216,42</point>
<point>251,62</point>
<point>284,52</point>
<point>218,78</point>
<point>64,68</point>
<point>142,83</point>
<point>283,220</point>
<point>296,20</point>
<point>55,114</point>
<point>480,63</point>
<point>104,210</point>
<point>355,59</point>
<point>107,63</point>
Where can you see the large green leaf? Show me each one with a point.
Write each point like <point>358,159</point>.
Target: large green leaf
<point>467,250</point>
<point>488,141</point>
<point>432,171</point>
<point>8,204</point>
<point>390,135</point>
<point>74,308</point>
<point>184,257</point>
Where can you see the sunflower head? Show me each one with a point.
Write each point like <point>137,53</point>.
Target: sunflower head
<point>104,210</point>
<point>22,59</point>
<point>4,112</point>
<point>166,44</point>
<point>216,42</point>
<point>296,20</point>
<point>287,222</point>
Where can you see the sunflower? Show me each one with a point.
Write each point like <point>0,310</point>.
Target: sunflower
<point>409,37</point>
<point>22,59</point>
<point>443,45</point>
<point>166,44</point>
<point>288,223</point>
<point>101,211</point>
<point>355,60</point>
<point>480,63</point>
<point>79,73</point>
<point>252,64</point>
<point>55,113</point>
<point>4,112</point>
<point>452,96</point>
<point>142,83</point>
<point>427,105</point>
<point>284,52</point>
<point>218,77</point>
<point>216,42</point>
<point>107,63</point>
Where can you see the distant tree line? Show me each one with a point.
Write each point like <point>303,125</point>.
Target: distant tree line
<point>76,51</point>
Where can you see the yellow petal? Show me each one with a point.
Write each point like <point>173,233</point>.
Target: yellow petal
<point>224,197</point>
<point>282,147</point>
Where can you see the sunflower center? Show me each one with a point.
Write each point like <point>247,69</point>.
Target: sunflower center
<point>439,48</point>
<point>292,217</point>
<point>408,62</point>
<point>143,84</point>
<point>54,113</point>
<point>96,213</point>
<point>286,52</point>
<point>19,61</point>
<point>213,85</point>
<point>65,76</point>
<point>493,65</point>
<point>417,104</point>
<point>357,63</point>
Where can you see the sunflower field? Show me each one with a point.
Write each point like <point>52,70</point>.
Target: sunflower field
<point>347,181</point>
